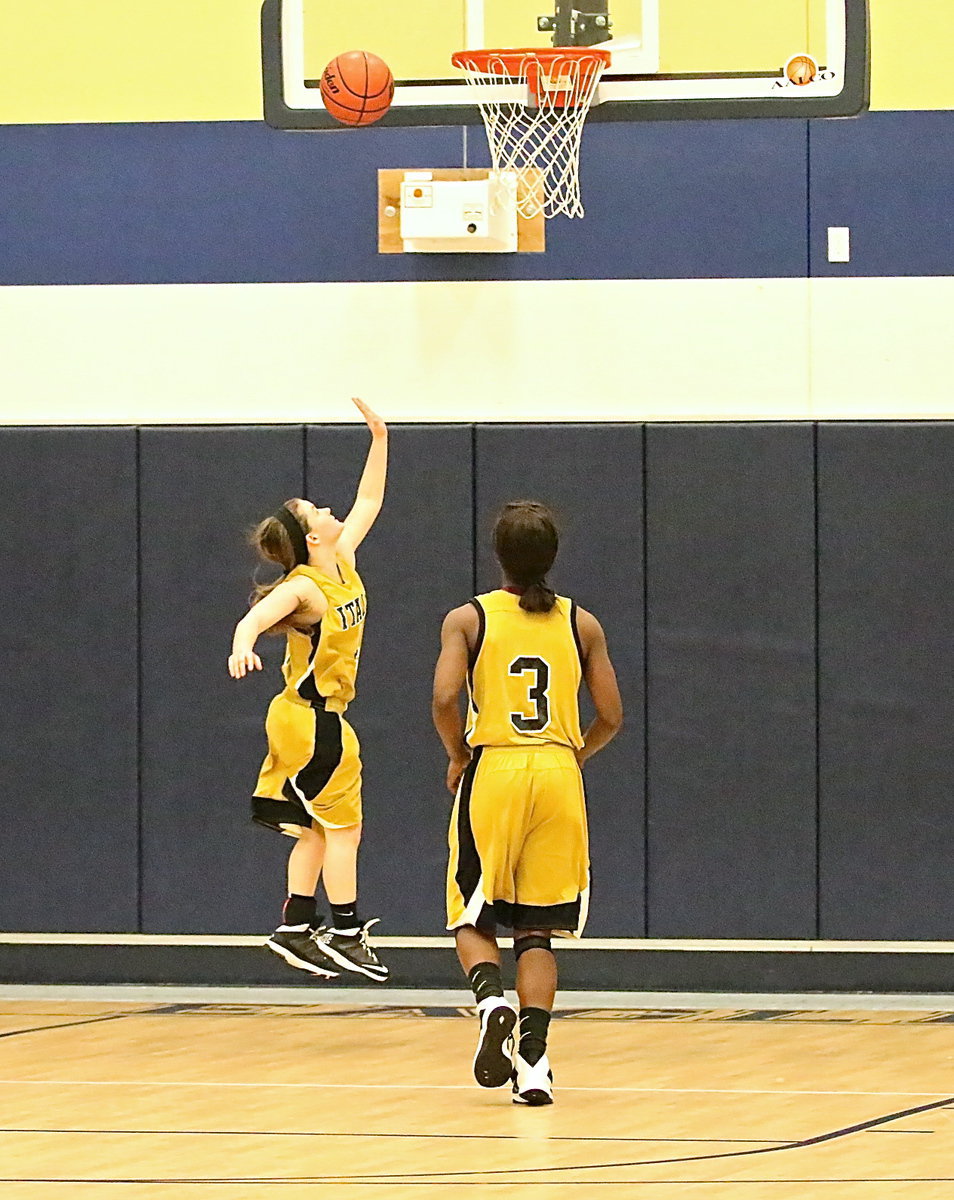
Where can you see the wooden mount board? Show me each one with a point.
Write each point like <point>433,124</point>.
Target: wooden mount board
<point>531,231</point>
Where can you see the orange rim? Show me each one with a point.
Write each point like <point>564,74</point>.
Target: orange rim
<point>546,56</point>
<point>540,68</point>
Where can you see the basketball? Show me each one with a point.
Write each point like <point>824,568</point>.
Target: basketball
<point>357,87</point>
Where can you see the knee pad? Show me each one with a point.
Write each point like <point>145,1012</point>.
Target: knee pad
<point>533,942</point>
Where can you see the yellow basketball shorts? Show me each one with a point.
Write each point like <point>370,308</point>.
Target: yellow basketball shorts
<point>312,770</point>
<point>519,854</point>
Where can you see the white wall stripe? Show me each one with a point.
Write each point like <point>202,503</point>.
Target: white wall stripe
<point>670,350</point>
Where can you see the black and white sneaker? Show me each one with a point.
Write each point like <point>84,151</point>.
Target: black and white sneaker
<point>296,945</point>
<point>351,951</point>
<point>532,1083</point>
<point>493,1062</point>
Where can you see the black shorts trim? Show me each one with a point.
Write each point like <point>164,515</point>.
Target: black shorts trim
<point>537,916</point>
<point>313,778</point>
<point>273,814</point>
<point>468,861</point>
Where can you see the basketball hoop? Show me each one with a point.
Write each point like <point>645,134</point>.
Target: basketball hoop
<point>534,104</point>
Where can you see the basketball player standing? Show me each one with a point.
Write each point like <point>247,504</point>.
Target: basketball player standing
<point>518,835</point>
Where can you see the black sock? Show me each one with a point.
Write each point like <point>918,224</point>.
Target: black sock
<point>485,980</point>
<point>300,910</point>
<point>534,1023</point>
<point>344,917</point>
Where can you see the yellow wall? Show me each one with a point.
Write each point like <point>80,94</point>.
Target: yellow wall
<point>129,60</point>
<point>912,54</point>
<point>180,60</point>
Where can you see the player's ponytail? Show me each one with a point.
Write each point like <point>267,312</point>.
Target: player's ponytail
<point>272,542</point>
<point>526,543</point>
<point>538,598</point>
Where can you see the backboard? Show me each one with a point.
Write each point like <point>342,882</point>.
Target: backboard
<point>672,59</point>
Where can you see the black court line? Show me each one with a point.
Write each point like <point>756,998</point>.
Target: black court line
<point>902,1131</point>
<point>455,1137</point>
<point>460,1178</point>
<point>74,1024</point>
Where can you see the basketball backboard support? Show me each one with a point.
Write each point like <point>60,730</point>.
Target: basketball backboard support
<point>672,59</point>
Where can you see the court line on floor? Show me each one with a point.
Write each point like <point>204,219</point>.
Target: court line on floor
<point>460,1178</point>
<point>447,1087</point>
<point>97,1020</point>
<point>416,1178</point>
<point>484,1137</point>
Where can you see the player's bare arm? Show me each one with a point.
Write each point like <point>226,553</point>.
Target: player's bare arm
<point>300,596</point>
<point>458,636</point>
<point>600,678</point>
<point>370,496</point>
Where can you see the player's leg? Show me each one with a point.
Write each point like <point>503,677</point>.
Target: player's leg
<point>476,877</point>
<point>345,942</point>
<point>552,884</point>
<point>294,939</point>
<point>536,987</point>
<point>304,870</point>
<point>332,783</point>
<point>276,805</point>
<point>479,958</point>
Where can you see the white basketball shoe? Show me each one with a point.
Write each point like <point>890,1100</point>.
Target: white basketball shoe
<point>493,1062</point>
<point>532,1084</point>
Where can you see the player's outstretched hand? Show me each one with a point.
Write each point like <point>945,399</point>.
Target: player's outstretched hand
<point>375,424</point>
<point>241,664</point>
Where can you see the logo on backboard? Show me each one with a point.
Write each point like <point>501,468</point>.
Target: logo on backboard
<point>801,70</point>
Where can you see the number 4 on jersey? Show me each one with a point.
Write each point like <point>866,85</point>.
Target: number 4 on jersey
<point>540,670</point>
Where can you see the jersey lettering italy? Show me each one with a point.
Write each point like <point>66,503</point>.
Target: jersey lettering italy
<point>322,663</point>
<point>525,674</point>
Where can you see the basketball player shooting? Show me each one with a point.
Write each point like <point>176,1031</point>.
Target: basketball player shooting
<point>518,834</point>
<point>309,786</point>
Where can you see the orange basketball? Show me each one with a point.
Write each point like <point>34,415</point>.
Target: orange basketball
<point>357,87</point>
<point>801,69</point>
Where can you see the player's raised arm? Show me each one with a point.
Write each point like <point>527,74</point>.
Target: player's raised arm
<point>370,495</point>
<point>281,602</point>
<point>600,679</point>
<point>457,634</point>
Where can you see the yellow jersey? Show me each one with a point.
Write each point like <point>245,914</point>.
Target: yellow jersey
<point>322,663</point>
<point>524,675</point>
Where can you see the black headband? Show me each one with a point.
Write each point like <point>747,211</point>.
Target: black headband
<point>296,535</point>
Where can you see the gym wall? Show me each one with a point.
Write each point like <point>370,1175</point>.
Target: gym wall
<point>776,597</point>
<point>748,445</point>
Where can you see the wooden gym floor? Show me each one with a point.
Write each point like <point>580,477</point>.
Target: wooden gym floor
<point>148,1101</point>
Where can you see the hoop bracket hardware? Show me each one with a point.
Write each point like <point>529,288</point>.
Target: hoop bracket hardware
<point>572,26</point>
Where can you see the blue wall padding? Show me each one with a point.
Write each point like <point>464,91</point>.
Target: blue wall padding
<point>886,627</point>
<point>68,739</point>
<point>417,564</point>
<point>733,732</point>
<point>206,868</point>
<point>224,202</point>
<point>731,680</point>
<point>592,476</point>
<point>889,177</point>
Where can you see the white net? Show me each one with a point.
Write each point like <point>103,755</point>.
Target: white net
<point>534,106</point>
